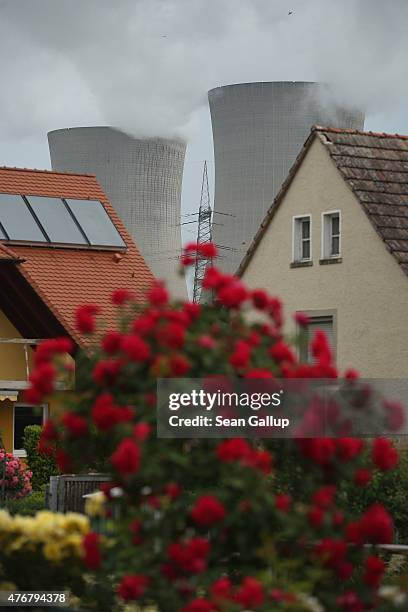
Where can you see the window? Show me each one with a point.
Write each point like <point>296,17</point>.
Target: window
<point>302,238</point>
<point>26,415</point>
<point>326,322</point>
<point>331,228</point>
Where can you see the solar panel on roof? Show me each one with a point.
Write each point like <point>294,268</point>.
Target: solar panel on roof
<point>95,222</point>
<point>17,219</point>
<point>56,219</point>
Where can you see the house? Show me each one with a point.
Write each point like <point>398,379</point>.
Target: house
<point>61,245</point>
<point>334,244</point>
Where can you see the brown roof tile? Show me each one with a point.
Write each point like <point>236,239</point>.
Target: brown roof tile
<point>66,278</point>
<point>375,167</point>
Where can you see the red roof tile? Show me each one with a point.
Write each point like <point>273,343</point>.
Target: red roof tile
<point>66,278</point>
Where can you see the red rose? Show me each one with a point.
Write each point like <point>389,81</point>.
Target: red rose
<point>192,310</point>
<point>241,355</point>
<point>376,525</point>
<point>301,319</point>
<point>250,594</point>
<point>46,350</point>
<point>320,347</point>
<point>49,432</point>
<point>207,511</point>
<point>362,477</point>
<point>235,449</point>
<point>126,458</point>
<point>144,324</point>
<point>121,296</point>
<point>172,335</point>
<point>374,571</point>
<point>261,461</point>
<point>233,294</point>
<point>85,318</point>
<point>283,502</point>
<point>179,365</point>
<point>106,372</point>
<point>63,461</point>
<point>133,586</point>
<point>213,278</point>
<point>43,377</point>
<point>75,424</point>
<point>111,342</point>
<point>331,552</point>
<point>190,556</point>
<point>135,348</point>
<point>259,373</point>
<point>92,553</point>
<point>106,415</point>
<point>281,352</point>
<point>320,450</point>
<point>199,605</point>
<point>315,516</point>
<point>260,299</point>
<point>395,415</point>
<point>141,431</point>
<point>158,295</point>
<point>221,589</point>
<point>324,497</point>
<point>208,250</point>
<point>206,341</point>
<point>349,448</point>
<point>172,490</point>
<point>384,455</point>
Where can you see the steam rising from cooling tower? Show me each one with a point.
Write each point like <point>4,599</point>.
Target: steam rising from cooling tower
<point>258,130</point>
<point>142,179</point>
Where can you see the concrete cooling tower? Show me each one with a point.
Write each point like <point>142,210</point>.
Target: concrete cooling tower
<point>258,130</point>
<point>142,179</point>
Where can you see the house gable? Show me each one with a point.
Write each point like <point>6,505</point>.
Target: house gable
<point>368,288</point>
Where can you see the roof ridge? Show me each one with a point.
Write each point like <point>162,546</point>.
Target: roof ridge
<point>45,171</point>
<point>333,130</point>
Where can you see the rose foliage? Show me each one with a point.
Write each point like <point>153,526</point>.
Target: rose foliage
<point>198,525</point>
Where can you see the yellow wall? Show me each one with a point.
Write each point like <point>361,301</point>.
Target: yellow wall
<point>12,358</point>
<point>13,367</point>
<point>368,289</point>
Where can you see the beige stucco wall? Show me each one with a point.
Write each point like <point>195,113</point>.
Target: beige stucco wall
<point>368,289</point>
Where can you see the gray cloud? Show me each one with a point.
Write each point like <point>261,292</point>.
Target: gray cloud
<point>146,65</point>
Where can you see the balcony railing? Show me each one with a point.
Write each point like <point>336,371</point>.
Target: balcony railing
<point>65,382</point>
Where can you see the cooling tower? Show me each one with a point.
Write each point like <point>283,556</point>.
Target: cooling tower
<point>142,179</point>
<point>258,130</point>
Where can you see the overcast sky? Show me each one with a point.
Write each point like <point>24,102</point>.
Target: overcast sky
<point>145,65</point>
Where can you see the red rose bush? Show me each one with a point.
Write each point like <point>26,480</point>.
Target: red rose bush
<point>201,525</point>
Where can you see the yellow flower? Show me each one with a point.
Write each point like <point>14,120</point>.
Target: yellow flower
<point>95,504</point>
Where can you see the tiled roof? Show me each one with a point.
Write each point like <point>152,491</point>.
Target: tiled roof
<point>66,278</point>
<point>375,167</point>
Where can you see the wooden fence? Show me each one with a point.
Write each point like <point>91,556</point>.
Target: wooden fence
<point>66,492</point>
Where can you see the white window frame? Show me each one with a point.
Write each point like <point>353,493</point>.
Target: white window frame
<point>327,236</point>
<point>319,314</point>
<point>296,244</point>
<point>20,452</point>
